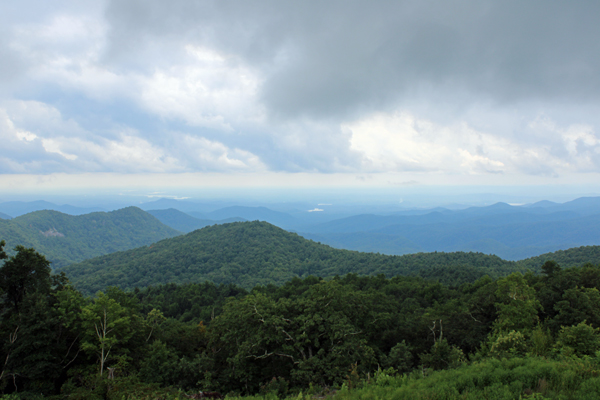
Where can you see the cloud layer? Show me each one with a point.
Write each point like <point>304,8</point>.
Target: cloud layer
<point>458,87</point>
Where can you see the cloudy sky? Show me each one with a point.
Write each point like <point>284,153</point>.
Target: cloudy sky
<point>265,92</point>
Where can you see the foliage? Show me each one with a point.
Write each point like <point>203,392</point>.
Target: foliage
<point>257,253</point>
<point>580,339</point>
<point>351,336</point>
<point>66,239</point>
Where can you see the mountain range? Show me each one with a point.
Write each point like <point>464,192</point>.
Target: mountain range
<point>65,239</point>
<point>512,232</point>
<point>186,222</point>
<point>258,253</point>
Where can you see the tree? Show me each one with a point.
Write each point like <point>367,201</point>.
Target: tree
<point>517,305</point>
<point>312,338</point>
<point>550,268</point>
<point>27,271</point>
<point>581,339</point>
<point>400,358</point>
<point>577,305</point>
<point>106,324</point>
<point>34,348</point>
<point>3,255</point>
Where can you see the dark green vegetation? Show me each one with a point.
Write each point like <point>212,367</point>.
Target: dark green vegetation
<point>186,223</point>
<point>66,239</point>
<point>257,253</point>
<point>367,337</point>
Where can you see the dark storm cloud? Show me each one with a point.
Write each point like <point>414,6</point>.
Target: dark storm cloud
<point>337,57</point>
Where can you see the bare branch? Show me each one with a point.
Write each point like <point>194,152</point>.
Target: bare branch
<point>471,315</point>
<point>272,354</point>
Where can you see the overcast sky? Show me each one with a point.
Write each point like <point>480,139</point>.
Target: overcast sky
<point>188,92</point>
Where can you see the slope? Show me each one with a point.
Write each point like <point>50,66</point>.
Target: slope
<point>66,239</point>
<point>258,253</point>
<point>565,258</point>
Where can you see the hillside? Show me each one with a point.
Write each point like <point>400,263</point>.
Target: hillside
<point>65,239</point>
<point>565,258</point>
<point>4,216</point>
<point>258,253</point>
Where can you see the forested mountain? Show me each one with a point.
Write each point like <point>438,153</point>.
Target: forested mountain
<point>350,337</point>
<point>566,258</point>
<point>66,239</point>
<point>512,232</point>
<point>4,216</point>
<point>184,222</point>
<point>258,253</point>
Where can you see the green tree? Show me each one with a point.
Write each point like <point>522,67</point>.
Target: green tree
<point>517,305</point>
<point>400,358</point>
<point>3,255</point>
<point>310,338</point>
<point>33,346</point>
<point>581,339</point>
<point>25,272</point>
<point>106,324</point>
<point>550,268</point>
<point>578,304</point>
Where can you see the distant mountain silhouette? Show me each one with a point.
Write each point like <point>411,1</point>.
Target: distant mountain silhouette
<point>17,208</point>
<point>255,214</point>
<point>184,222</point>
<point>511,232</point>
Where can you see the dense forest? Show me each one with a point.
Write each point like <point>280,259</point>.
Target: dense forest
<point>352,336</point>
<point>66,239</point>
<point>258,253</point>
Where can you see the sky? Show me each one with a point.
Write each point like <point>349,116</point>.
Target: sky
<point>156,95</point>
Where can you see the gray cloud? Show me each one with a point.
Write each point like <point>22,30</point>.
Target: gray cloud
<point>461,87</point>
<point>332,58</point>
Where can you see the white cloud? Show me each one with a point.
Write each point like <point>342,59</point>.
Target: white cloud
<point>209,91</point>
<point>392,142</point>
<point>203,154</point>
<point>37,129</point>
<point>402,142</point>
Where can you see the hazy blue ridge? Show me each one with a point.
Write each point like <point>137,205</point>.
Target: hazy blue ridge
<point>65,239</point>
<point>18,208</point>
<point>255,214</point>
<point>5,216</point>
<point>184,222</point>
<point>511,232</point>
<point>483,215</point>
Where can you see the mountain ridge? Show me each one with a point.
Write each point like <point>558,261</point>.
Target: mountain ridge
<point>257,253</point>
<point>65,239</point>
